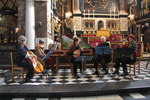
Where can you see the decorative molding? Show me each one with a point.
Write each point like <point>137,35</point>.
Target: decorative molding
<point>78,22</point>
<point>123,24</point>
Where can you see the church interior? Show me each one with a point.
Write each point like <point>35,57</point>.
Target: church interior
<point>57,25</point>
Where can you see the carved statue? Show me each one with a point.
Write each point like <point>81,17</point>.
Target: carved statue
<point>69,23</point>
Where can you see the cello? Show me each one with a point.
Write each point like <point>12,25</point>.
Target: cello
<point>38,67</point>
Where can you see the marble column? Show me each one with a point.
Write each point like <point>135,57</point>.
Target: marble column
<point>30,24</point>
<point>76,7</point>
<point>68,5</point>
<point>21,17</point>
<point>43,28</point>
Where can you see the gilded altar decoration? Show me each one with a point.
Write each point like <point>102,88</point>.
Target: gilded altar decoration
<point>103,32</point>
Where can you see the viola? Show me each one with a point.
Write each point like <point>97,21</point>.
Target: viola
<point>38,67</point>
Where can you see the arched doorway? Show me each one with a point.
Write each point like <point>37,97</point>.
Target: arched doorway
<point>100,24</point>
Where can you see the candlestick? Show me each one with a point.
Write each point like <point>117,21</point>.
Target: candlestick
<point>93,14</point>
<point>75,31</point>
<point>89,14</point>
<point>114,14</point>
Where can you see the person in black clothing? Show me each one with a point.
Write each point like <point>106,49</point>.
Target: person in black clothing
<point>103,59</point>
<point>21,57</point>
<point>71,52</point>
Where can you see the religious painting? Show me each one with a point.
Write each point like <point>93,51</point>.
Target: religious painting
<point>66,42</point>
<point>101,6</point>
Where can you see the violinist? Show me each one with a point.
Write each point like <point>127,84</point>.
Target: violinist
<point>39,51</point>
<point>103,59</point>
<point>127,59</point>
<point>21,57</point>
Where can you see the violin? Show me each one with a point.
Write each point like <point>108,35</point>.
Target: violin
<point>38,67</point>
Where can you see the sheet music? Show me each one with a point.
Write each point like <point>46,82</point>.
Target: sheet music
<point>55,47</point>
<point>102,50</point>
<point>50,52</point>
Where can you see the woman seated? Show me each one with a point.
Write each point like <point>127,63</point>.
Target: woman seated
<point>39,51</point>
<point>72,51</point>
<point>21,57</point>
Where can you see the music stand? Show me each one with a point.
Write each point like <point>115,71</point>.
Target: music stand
<point>102,50</point>
<point>123,52</point>
<point>48,55</point>
<point>83,58</point>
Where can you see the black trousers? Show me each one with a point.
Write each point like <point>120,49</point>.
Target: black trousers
<point>102,62</point>
<point>75,65</point>
<point>29,66</point>
<point>124,61</point>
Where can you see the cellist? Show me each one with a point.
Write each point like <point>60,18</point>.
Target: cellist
<point>21,57</point>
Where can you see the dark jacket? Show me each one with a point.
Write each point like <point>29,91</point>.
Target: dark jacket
<point>106,57</point>
<point>21,53</point>
<point>72,49</point>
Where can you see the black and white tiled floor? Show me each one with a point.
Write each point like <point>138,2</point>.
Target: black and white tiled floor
<point>125,96</point>
<point>64,76</point>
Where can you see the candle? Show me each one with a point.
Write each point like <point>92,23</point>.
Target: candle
<point>84,14</point>
<point>110,14</point>
<point>55,3</point>
<point>74,29</point>
<point>114,14</point>
<point>93,14</point>
<point>52,5</point>
<point>118,14</point>
<point>89,14</point>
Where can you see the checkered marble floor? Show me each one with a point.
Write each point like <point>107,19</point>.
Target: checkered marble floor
<point>64,76</point>
<point>125,96</point>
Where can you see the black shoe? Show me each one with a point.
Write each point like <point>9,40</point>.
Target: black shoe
<point>125,73</point>
<point>28,80</point>
<point>116,72</point>
<point>76,76</point>
<point>96,73</point>
<point>80,70</point>
<point>53,70</point>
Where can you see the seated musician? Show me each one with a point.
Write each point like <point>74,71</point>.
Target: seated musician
<point>103,59</point>
<point>39,51</point>
<point>127,59</point>
<point>21,57</point>
<point>72,51</point>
